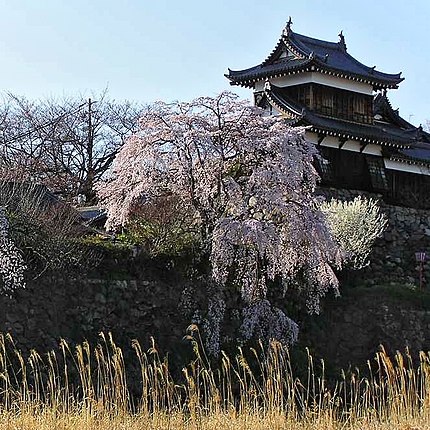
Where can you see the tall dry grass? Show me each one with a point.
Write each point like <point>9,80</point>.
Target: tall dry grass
<point>87,388</point>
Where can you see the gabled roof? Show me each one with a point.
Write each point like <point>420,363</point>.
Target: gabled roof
<point>312,55</point>
<point>405,142</point>
<point>382,108</point>
<point>420,154</point>
<point>419,150</point>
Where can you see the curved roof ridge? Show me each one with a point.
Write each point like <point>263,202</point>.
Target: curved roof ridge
<point>313,40</point>
<point>282,105</point>
<point>261,71</point>
<point>328,57</point>
<point>372,70</point>
<point>335,46</point>
<point>383,134</point>
<point>382,105</point>
<point>274,90</point>
<point>282,42</point>
<point>274,51</point>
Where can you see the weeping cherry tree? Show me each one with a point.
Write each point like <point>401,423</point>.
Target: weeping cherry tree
<point>249,182</point>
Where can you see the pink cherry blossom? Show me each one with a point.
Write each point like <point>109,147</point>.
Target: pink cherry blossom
<point>250,182</point>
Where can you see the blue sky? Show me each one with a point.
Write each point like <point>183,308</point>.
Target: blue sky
<point>176,50</point>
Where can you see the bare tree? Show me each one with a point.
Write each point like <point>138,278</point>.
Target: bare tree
<point>67,144</point>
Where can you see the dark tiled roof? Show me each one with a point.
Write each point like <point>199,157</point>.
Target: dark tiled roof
<point>419,153</point>
<point>385,133</point>
<point>262,71</point>
<point>40,190</point>
<point>312,55</point>
<point>92,214</point>
<point>382,107</point>
<point>373,133</point>
<point>339,59</point>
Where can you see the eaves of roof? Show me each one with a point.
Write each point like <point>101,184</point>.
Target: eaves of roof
<point>389,135</point>
<point>312,55</point>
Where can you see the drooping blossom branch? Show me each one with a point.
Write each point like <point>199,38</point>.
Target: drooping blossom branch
<point>250,182</point>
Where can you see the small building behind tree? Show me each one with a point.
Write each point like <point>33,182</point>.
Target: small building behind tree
<point>365,143</point>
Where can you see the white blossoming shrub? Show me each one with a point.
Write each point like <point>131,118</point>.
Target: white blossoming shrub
<point>355,225</point>
<point>248,182</point>
<point>12,265</point>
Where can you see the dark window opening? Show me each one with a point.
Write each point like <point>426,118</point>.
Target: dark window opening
<point>325,169</point>
<point>378,177</point>
<point>408,189</point>
<point>344,169</point>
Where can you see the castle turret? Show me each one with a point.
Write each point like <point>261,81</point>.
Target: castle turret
<point>368,146</point>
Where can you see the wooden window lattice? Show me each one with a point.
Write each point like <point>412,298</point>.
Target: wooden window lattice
<point>378,178</point>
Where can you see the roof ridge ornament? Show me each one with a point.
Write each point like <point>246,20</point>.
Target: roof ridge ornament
<point>341,43</point>
<point>419,133</point>
<point>287,30</point>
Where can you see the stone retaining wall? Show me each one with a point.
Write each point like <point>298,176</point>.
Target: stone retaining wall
<point>348,331</point>
<point>151,303</point>
<point>393,257</point>
<point>77,310</point>
<point>352,328</point>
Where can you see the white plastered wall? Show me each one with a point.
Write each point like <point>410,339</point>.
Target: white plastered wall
<point>411,168</point>
<point>349,145</point>
<point>371,149</point>
<point>318,78</point>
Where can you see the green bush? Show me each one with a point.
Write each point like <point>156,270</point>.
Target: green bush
<point>153,239</point>
<point>160,239</point>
